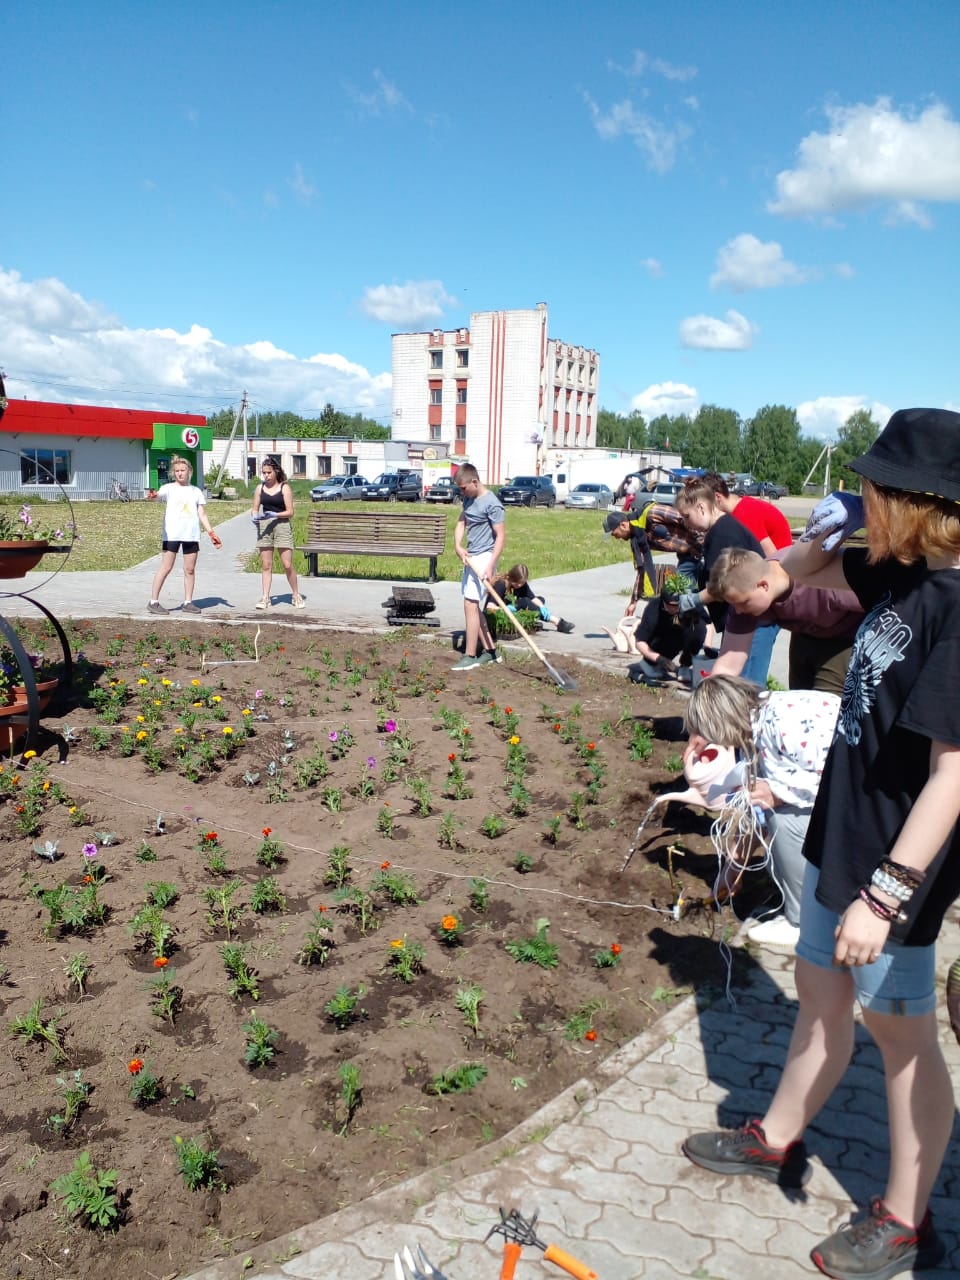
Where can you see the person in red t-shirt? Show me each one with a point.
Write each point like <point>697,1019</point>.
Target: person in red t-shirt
<point>766,522</point>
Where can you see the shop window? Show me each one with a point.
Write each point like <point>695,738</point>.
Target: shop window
<point>46,466</point>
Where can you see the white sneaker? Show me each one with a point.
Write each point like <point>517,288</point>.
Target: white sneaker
<point>775,932</point>
<point>262,603</point>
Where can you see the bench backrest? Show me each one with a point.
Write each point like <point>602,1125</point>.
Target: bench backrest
<point>423,530</point>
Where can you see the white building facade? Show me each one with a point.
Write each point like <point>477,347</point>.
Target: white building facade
<point>499,394</point>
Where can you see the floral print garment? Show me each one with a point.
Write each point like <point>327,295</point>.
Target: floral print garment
<point>793,731</point>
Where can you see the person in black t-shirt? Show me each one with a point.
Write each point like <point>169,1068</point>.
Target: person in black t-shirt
<point>883,844</point>
<point>697,503</point>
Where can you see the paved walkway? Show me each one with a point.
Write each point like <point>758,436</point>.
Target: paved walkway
<point>602,1161</point>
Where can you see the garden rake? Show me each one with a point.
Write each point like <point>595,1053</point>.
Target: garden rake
<point>518,1231</point>
<point>560,678</point>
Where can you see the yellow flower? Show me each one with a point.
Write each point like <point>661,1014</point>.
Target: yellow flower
<point>397,944</point>
<point>514,741</point>
<point>141,719</point>
<point>216,698</point>
<point>157,702</point>
<point>72,809</point>
<point>28,755</point>
<point>141,681</point>
<point>166,682</point>
<point>246,711</point>
<point>227,731</point>
<point>195,683</point>
<point>46,786</point>
<point>178,729</point>
<point>198,704</point>
<point>142,734</point>
<point>124,729</point>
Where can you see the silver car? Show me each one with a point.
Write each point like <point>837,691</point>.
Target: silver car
<point>338,489</point>
<point>589,497</point>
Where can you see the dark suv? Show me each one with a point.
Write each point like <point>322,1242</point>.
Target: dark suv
<point>529,491</point>
<point>394,486</point>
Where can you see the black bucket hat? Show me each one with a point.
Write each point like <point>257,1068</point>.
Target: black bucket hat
<point>918,451</point>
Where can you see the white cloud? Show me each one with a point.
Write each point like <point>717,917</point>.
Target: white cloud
<point>413,303</point>
<point>825,416</point>
<point>302,188</point>
<point>657,141</point>
<point>652,266</point>
<point>666,397</point>
<point>384,98</point>
<point>58,346</point>
<point>748,263</point>
<point>873,153</point>
<point>642,62</point>
<point>709,333</point>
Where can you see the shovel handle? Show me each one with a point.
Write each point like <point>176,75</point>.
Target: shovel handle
<point>567,1262</point>
<point>511,1256</point>
<point>516,622</point>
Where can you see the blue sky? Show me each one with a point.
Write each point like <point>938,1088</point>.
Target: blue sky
<point>735,204</point>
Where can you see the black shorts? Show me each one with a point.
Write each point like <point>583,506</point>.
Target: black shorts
<point>188,548</point>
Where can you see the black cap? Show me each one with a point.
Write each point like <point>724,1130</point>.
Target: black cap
<point>918,451</point>
<point>614,520</point>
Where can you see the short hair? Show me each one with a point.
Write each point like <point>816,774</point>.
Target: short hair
<point>467,471</point>
<point>721,709</point>
<point>735,569</point>
<point>717,483</point>
<point>518,575</point>
<point>906,526</point>
<point>186,462</point>
<point>695,490</point>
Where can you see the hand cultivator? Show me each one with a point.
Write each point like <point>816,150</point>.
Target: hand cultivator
<point>517,1231</point>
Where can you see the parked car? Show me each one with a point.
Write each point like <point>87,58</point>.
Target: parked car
<point>529,491</point>
<point>338,489</point>
<point>589,497</point>
<point>442,490</point>
<point>743,484</point>
<point>394,486</point>
<point>770,489</point>
<point>665,492</point>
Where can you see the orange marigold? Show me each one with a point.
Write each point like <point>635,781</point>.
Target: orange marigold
<point>160,962</point>
<point>615,948</point>
<point>448,922</point>
<point>508,710</point>
<point>267,831</point>
<point>384,865</point>
<point>590,1035</point>
<point>452,756</point>
<point>135,1066</point>
<point>591,746</point>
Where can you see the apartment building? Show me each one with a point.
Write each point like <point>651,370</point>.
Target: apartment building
<point>499,394</point>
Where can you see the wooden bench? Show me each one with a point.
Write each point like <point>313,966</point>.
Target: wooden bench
<point>375,533</point>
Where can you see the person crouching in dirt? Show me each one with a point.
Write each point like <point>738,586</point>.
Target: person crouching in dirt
<point>662,633</point>
<point>515,588</point>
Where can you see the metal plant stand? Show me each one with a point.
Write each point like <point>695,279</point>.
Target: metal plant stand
<point>31,717</point>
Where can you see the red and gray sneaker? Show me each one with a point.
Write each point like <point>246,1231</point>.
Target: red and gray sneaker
<point>746,1150</point>
<point>874,1245</point>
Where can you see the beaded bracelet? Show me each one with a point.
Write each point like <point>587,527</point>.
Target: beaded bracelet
<point>882,880</point>
<point>882,910</point>
<point>905,875</point>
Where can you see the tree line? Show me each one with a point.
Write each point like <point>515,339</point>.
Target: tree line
<point>331,422</point>
<point>769,445</point>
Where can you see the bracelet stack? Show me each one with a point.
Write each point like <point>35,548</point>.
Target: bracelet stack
<point>895,881</point>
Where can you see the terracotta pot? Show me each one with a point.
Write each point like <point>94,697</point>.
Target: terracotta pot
<point>10,734</point>
<point>19,557</point>
<point>45,691</point>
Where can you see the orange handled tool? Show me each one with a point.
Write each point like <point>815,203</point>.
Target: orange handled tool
<point>511,1256</point>
<point>518,1231</point>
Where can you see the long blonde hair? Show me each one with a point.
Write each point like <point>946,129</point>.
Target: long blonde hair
<point>723,710</point>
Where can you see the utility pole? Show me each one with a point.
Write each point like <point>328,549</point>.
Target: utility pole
<point>828,451</point>
<point>216,484</point>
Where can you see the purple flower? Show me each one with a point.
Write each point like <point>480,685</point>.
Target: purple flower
<point>89,850</point>
<point>371,762</point>
<point>333,735</point>
<point>389,726</point>
<point>258,693</point>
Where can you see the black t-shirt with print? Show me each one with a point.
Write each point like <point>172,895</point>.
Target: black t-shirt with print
<point>899,696</point>
<point>670,634</point>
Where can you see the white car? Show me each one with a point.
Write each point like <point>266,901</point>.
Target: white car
<point>589,497</point>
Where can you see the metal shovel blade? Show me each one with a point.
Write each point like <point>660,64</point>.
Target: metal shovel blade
<point>560,678</point>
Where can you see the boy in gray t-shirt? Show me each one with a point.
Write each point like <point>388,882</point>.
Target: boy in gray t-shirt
<point>481,523</point>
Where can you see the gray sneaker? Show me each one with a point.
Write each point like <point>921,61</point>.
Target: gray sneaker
<point>156,607</point>
<point>488,656</point>
<point>466,663</point>
<point>189,607</point>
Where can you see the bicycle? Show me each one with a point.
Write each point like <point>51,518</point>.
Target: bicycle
<point>119,492</point>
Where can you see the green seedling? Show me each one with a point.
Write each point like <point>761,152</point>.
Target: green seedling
<point>342,1008</point>
<point>399,888</point>
<point>581,1021</point>
<point>224,913</point>
<point>32,1026</point>
<point>317,945</point>
<point>89,1193</point>
<point>358,903</point>
<point>609,958</point>
<point>447,832</point>
<point>266,896</point>
<point>338,869</point>
<point>385,822</point>
<point>641,742</point>
<point>75,1091</point>
<point>575,810</point>
<point>493,826</point>
<point>420,794</point>
<point>351,1092</point>
<point>165,995</point>
<point>479,893</point>
<point>146,1088</point>
<point>261,1043</point>
<point>469,997</point>
<point>198,1166</point>
<point>160,893</point>
<point>535,949</point>
<point>523,863</point>
<point>405,959</point>
<point>459,1079</point>
<point>243,978</point>
<point>77,967</point>
<point>551,829</point>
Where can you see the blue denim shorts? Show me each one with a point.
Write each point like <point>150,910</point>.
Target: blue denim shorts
<point>900,981</point>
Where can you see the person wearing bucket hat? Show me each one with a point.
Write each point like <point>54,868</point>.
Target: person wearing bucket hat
<point>883,847</point>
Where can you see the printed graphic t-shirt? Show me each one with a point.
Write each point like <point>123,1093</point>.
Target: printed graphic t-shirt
<point>181,520</point>
<point>899,696</point>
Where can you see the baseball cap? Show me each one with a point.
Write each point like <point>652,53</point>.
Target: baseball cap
<point>918,451</point>
<point>613,521</point>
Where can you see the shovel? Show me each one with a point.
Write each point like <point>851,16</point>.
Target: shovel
<point>559,678</point>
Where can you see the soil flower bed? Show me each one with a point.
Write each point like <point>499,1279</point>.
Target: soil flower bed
<point>295,921</point>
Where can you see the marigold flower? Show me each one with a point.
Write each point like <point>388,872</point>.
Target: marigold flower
<point>514,741</point>
<point>557,727</point>
<point>227,731</point>
<point>195,683</point>
<point>135,1066</point>
<point>615,948</point>
<point>322,907</point>
<point>141,681</point>
<point>46,786</point>
<point>141,719</point>
<point>142,735</point>
<point>211,836</point>
<point>590,1035</point>
<point>397,943</point>
<point>448,923</point>
<point>72,809</point>
<point>88,879</point>
<point>196,704</point>
<point>157,702</point>
<point>246,712</point>
<point>384,865</point>
<point>452,756</point>
<point>166,682</point>
<point>591,746</point>
<point>160,962</point>
<point>267,831</point>
<point>216,698</point>
<point>178,729</point>
<point>28,755</point>
<point>508,710</point>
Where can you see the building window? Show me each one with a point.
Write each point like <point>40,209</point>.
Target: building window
<point>463,358</point>
<point>299,464</point>
<point>435,431</point>
<point>461,431</point>
<point>461,395</point>
<point>436,395</point>
<point>436,359</point>
<point>349,466</point>
<point>46,466</point>
<point>324,466</point>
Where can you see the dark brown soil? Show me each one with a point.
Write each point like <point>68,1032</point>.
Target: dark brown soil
<point>288,1150</point>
